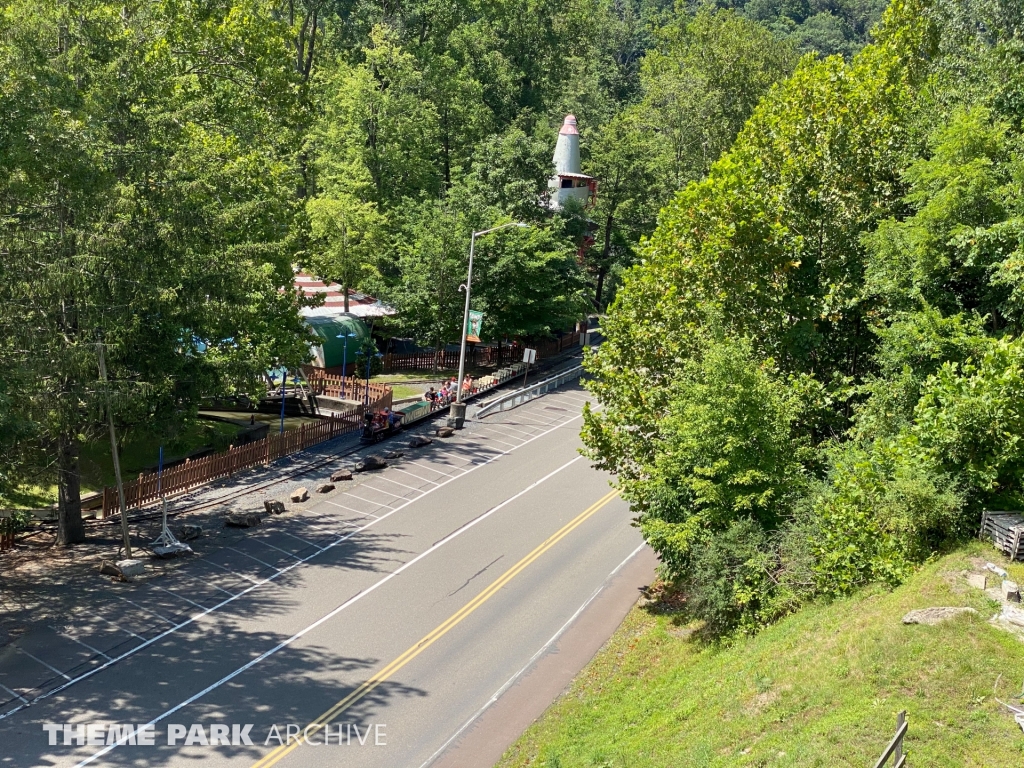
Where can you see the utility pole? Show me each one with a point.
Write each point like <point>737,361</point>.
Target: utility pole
<point>113,448</point>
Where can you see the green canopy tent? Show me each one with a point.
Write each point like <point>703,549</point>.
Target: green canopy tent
<point>327,347</point>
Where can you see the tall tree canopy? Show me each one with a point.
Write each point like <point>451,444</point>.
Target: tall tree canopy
<point>820,348</point>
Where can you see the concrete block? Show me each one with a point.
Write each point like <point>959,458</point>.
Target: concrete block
<point>1010,591</point>
<point>131,569</point>
<point>977,580</point>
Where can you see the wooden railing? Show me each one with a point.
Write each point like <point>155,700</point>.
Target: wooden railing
<point>150,487</point>
<point>475,356</point>
<point>331,385</point>
<point>895,748</point>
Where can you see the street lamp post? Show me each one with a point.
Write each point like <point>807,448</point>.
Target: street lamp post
<point>457,414</point>
<point>344,360</point>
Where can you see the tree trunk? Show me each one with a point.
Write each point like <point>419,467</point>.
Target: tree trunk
<point>601,273</point>
<point>70,528</point>
<point>344,290</point>
<point>606,252</point>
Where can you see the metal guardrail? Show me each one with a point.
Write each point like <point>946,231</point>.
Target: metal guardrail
<point>520,396</point>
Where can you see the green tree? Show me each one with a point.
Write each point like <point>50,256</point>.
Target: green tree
<point>146,187</point>
<point>347,236</point>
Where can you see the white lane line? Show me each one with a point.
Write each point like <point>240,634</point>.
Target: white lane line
<point>256,584</point>
<point>180,597</point>
<point>14,693</point>
<point>256,559</point>
<point>282,551</point>
<point>317,528</point>
<point>304,541</point>
<point>506,426</point>
<point>575,397</point>
<point>534,422</point>
<point>495,439</point>
<point>533,659</point>
<point>115,625</point>
<point>487,428</point>
<point>84,645</point>
<point>328,616</point>
<point>208,583</point>
<point>438,471</point>
<point>377,503</point>
<point>364,514</point>
<point>145,610</point>
<point>410,474</point>
<point>239,574</point>
<point>378,490</point>
<point>403,485</point>
<point>35,658</point>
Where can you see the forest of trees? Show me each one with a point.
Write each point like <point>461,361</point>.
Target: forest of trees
<point>164,167</point>
<point>814,378</point>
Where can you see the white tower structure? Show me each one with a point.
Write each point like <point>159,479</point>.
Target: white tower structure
<point>568,181</point>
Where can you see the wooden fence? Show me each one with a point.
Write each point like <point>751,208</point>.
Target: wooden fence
<point>476,356</point>
<point>895,748</point>
<point>149,487</point>
<point>330,385</point>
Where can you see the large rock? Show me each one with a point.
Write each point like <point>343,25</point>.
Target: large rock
<point>108,568</point>
<point>393,455</point>
<point>370,463</point>
<point>418,441</point>
<point>932,616</point>
<point>274,507</point>
<point>248,520</point>
<point>190,532</point>
<point>299,495</point>
<point>131,569</point>
<point>445,431</point>
<point>341,474</point>
<point>325,488</point>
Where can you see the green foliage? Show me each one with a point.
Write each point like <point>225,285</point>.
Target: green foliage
<point>970,421</point>
<point>863,238</point>
<point>884,509</point>
<point>147,191</point>
<point>723,450</point>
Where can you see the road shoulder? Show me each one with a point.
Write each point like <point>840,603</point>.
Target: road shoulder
<point>486,738</point>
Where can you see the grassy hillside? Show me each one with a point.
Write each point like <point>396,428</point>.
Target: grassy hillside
<point>821,688</point>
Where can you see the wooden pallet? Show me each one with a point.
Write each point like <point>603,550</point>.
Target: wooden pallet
<point>1006,531</point>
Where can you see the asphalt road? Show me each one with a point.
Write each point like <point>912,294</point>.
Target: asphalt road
<point>396,617</point>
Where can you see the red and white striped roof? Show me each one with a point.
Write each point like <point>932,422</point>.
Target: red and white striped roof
<point>360,304</point>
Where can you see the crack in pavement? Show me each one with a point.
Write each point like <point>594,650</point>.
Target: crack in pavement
<point>466,584</point>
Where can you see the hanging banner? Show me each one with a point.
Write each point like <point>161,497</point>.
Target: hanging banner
<point>476,321</point>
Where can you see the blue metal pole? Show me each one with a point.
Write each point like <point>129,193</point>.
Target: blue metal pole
<point>344,366</point>
<point>284,380</point>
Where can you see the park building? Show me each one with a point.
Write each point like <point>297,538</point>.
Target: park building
<point>569,181</point>
<point>331,323</point>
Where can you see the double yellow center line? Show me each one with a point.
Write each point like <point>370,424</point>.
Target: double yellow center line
<point>436,634</point>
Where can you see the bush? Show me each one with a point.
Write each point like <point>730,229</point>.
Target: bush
<point>725,451</point>
<point>884,509</point>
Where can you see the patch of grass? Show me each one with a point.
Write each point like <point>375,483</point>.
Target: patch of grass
<point>820,688</point>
